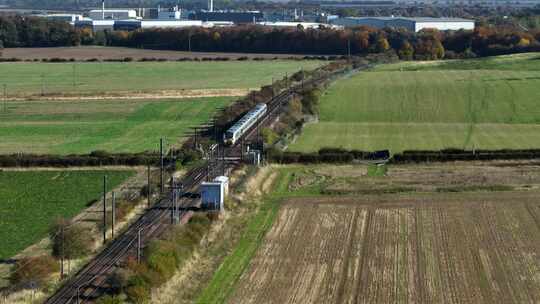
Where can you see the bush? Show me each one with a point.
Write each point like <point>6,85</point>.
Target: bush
<point>187,156</point>
<point>108,299</point>
<point>138,293</point>
<point>118,281</point>
<point>147,190</point>
<point>123,207</point>
<point>99,153</point>
<point>73,244</point>
<point>33,272</point>
<point>269,136</point>
<point>58,60</point>
<point>310,102</point>
<point>161,258</point>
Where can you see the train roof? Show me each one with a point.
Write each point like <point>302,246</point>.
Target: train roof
<point>250,115</point>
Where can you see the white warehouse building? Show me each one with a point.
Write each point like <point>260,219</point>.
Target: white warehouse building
<point>114,14</point>
<point>71,18</point>
<point>412,24</point>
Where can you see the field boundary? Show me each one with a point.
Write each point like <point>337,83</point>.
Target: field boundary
<point>231,269</point>
<point>327,155</point>
<point>151,95</point>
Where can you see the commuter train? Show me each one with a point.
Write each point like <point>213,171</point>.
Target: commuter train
<point>247,121</point>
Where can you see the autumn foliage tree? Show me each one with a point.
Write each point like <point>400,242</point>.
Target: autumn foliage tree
<point>33,272</point>
<point>70,241</point>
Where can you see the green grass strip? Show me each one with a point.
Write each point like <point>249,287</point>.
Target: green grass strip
<point>225,278</point>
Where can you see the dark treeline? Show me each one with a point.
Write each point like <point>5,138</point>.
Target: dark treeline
<point>96,158</point>
<point>336,155</point>
<point>18,31</point>
<point>429,44</point>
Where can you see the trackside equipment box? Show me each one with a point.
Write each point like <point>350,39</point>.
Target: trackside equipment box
<point>225,181</point>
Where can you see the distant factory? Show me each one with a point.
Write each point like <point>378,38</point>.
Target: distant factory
<point>114,14</point>
<point>230,16</point>
<point>146,18</point>
<point>412,24</point>
<point>175,17</point>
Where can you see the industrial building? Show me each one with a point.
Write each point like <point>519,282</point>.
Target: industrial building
<point>112,14</point>
<point>231,16</point>
<point>95,25</point>
<point>131,25</point>
<point>170,14</point>
<point>412,24</point>
<point>304,25</point>
<point>71,18</point>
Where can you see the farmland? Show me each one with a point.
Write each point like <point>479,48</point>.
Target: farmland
<point>390,249</point>
<point>482,104</point>
<point>119,53</point>
<point>33,78</point>
<point>31,200</point>
<point>62,127</point>
<point>466,232</point>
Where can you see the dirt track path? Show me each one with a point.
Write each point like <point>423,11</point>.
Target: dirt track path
<point>169,94</point>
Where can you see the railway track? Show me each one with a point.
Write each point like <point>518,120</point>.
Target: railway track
<point>87,284</point>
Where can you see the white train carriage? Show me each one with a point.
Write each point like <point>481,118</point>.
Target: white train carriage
<point>247,121</point>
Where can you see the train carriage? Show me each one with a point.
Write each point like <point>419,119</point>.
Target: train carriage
<point>232,135</point>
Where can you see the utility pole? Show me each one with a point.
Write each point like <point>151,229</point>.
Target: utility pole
<point>104,208</point>
<point>63,252</point>
<point>5,98</point>
<point>303,80</point>
<point>149,188</point>
<point>180,194</point>
<point>273,91</point>
<point>242,149</point>
<point>189,41</point>
<point>42,84</point>
<point>215,128</point>
<point>74,74</point>
<point>349,48</point>
<point>223,160</point>
<point>162,186</point>
<point>139,246</point>
<point>196,139</point>
<point>113,214</point>
<point>173,207</point>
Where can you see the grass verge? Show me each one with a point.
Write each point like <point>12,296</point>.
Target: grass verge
<point>233,266</point>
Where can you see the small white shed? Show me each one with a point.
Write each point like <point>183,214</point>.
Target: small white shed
<point>212,195</point>
<point>225,181</point>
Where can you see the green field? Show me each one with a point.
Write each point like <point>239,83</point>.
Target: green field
<point>116,126</point>
<point>37,78</point>
<point>486,103</point>
<point>31,200</point>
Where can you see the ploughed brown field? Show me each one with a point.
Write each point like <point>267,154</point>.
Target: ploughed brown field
<point>470,247</point>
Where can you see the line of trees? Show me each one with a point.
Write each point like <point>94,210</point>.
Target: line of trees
<point>18,31</point>
<point>21,31</point>
<point>337,155</point>
<point>427,44</point>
